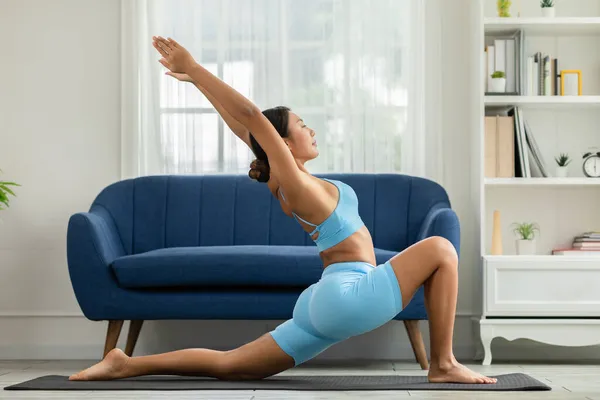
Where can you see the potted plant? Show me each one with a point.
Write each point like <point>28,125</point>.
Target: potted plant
<point>498,84</point>
<point>503,8</point>
<point>526,237</point>
<point>562,161</point>
<point>547,8</point>
<point>5,191</point>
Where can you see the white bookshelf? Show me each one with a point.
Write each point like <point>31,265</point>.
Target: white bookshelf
<point>524,295</point>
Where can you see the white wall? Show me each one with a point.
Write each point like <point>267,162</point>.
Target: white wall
<point>59,137</point>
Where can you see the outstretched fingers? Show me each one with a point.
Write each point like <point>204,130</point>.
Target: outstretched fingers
<point>173,43</point>
<point>161,50</point>
<point>164,43</point>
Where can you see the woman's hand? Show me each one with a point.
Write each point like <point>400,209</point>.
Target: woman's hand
<point>178,76</point>
<point>175,57</point>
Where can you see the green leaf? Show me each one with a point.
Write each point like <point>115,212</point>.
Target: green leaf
<point>563,160</point>
<point>6,189</point>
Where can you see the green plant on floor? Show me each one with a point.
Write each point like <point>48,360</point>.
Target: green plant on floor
<point>504,8</point>
<point>546,3</point>
<point>498,74</point>
<point>563,160</point>
<point>5,191</point>
<point>526,230</point>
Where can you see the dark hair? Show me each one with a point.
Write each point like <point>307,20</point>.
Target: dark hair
<point>260,169</point>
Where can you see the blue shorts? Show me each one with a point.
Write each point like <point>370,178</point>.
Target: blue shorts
<point>350,299</point>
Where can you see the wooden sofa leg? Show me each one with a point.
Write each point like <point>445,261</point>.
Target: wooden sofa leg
<point>416,341</point>
<point>135,326</point>
<point>112,335</point>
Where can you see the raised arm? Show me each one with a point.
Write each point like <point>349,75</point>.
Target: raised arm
<point>236,127</point>
<point>179,60</point>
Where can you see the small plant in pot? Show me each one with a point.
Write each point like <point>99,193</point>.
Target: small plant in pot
<point>562,161</point>
<point>503,8</point>
<point>498,84</point>
<point>547,8</point>
<point>525,232</point>
<point>6,191</point>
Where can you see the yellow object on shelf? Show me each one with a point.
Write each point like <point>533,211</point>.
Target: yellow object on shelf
<point>497,234</point>
<point>569,92</point>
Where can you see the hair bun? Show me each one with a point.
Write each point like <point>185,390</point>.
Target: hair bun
<point>260,171</point>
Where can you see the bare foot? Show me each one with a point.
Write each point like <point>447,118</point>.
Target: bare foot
<point>111,367</point>
<point>456,373</point>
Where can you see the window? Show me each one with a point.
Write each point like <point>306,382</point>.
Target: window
<point>342,65</point>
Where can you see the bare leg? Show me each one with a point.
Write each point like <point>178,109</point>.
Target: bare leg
<point>433,263</point>
<point>255,360</point>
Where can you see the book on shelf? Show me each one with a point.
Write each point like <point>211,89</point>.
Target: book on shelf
<point>499,147</point>
<point>511,150</point>
<point>575,252</point>
<point>586,244</point>
<point>542,75</point>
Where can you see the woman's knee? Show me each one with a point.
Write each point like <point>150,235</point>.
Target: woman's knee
<point>444,250</point>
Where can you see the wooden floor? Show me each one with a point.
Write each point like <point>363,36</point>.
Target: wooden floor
<point>567,382</point>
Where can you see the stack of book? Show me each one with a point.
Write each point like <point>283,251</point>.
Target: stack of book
<point>542,76</point>
<point>511,150</point>
<point>586,244</point>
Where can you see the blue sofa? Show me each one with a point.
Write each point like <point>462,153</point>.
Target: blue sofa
<point>220,247</point>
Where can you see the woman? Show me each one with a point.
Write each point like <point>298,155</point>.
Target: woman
<point>352,297</point>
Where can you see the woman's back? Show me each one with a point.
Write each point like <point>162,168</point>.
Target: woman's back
<point>329,214</point>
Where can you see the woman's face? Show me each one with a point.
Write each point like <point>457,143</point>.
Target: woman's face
<point>301,140</point>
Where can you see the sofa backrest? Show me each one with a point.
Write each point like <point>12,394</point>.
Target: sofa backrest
<point>177,211</point>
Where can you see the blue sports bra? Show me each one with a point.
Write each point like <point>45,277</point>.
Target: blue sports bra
<point>343,221</point>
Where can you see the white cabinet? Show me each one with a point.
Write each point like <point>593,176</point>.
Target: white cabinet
<point>535,286</point>
<point>550,299</point>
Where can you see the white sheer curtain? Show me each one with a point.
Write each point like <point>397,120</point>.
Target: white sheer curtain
<point>354,70</point>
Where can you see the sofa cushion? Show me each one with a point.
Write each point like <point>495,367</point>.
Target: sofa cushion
<point>225,266</point>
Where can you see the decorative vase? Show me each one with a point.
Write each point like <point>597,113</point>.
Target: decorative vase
<point>525,247</point>
<point>562,172</point>
<point>497,235</point>
<point>548,12</point>
<point>498,85</point>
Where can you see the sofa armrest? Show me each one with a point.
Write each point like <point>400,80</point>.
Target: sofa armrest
<point>441,221</point>
<point>93,243</point>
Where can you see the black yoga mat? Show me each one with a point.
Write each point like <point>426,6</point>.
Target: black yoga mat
<point>508,382</point>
